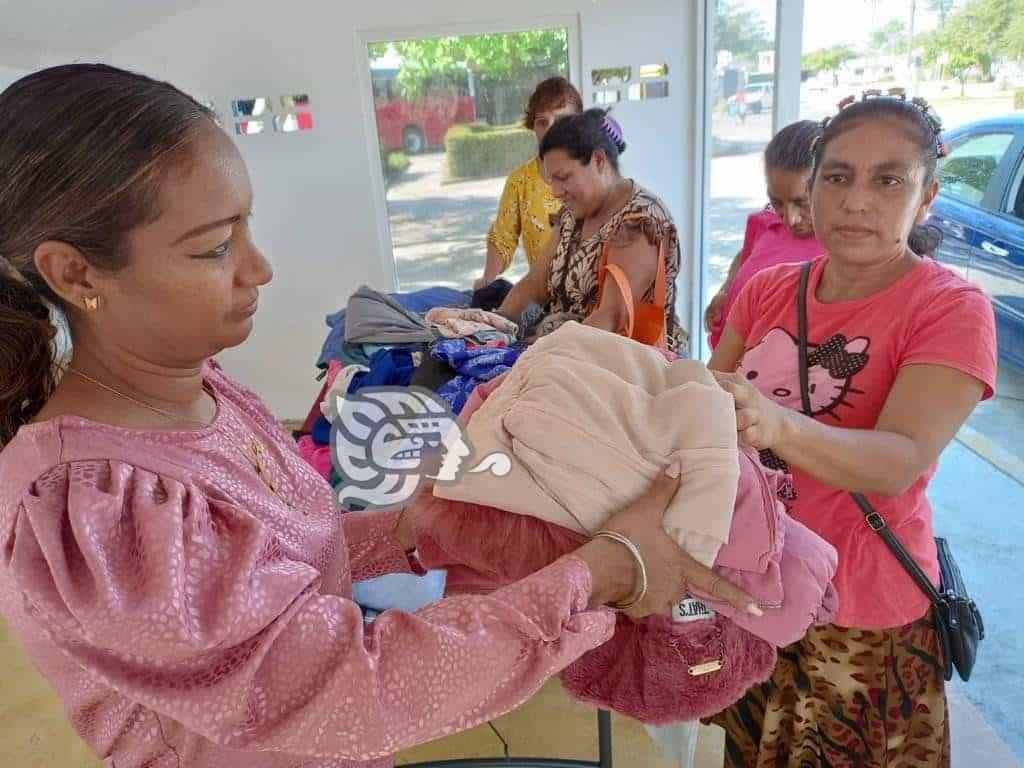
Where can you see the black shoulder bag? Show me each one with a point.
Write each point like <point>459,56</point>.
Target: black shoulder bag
<point>957,618</point>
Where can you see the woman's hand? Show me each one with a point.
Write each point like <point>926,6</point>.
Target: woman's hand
<point>483,281</point>
<point>713,314</point>
<point>760,422</point>
<point>669,568</point>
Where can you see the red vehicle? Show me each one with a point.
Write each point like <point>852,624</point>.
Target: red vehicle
<point>414,125</point>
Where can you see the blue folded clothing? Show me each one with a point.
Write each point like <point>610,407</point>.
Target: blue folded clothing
<point>321,431</point>
<point>388,368</point>
<point>473,366</point>
<point>402,591</point>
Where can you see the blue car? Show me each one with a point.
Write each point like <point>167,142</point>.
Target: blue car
<point>980,210</point>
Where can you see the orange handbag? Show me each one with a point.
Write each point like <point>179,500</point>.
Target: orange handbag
<point>645,322</point>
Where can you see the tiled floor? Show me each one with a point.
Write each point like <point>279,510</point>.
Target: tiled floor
<point>35,734</point>
<point>550,725</point>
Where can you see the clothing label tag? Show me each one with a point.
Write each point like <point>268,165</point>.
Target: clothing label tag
<point>691,609</point>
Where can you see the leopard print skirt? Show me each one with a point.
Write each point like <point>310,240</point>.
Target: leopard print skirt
<point>846,697</point>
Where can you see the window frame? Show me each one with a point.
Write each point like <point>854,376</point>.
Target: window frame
<point>786,82</point>
<point>365,37</point>
<point>1014,179</point>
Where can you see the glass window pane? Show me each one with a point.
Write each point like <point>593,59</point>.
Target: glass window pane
<point>449,114</point>
<point>653,71</point>
<point>742,91</point>
<point>611,76</point>
<point>965,174</point>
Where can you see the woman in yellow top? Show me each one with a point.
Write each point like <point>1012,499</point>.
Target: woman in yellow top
<point>527,203</point>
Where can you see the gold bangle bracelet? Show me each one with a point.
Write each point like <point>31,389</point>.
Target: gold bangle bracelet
<point>639,564</point>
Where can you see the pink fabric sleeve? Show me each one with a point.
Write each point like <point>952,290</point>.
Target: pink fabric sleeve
<point>195,609</point>
<point>755,225</point>
<point>958,331</point>
<point>373,549</point>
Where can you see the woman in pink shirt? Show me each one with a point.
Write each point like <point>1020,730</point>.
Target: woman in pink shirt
<point>901,351</point>
<point>172,566</point>
<point>780,234</point>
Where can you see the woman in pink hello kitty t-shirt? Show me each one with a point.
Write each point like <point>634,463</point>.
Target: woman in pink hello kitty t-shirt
<point>900,351</point>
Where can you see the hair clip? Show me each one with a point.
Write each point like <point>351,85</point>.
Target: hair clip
<point>814,144</point>
<point>933,120</point>
<point>845,103</point>
<point>922,104</point>
<point>614,131</point>
<point>942,150</point>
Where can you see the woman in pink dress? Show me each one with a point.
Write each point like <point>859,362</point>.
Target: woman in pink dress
<point>171,565</point>
<point>780,234</point>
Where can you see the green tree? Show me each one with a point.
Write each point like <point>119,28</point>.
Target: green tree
<point>827,59</point>
<point>496,57</point>
<point>978,33</point>
<point>890,37</point>
<point>987,21</point>
<point>740,31</point>
<point>958,46</point>
<point>943,8</point>
<point>1014,38</point>
<point>995,26</point>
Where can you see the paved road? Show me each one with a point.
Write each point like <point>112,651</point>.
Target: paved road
<point>737,189</point>
<point>439,230</point>
<point>1001,419</point>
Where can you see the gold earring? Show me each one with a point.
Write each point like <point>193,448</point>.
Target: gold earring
<point>92,303</point>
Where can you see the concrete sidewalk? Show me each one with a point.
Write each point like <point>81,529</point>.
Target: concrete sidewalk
<point>978,508</point>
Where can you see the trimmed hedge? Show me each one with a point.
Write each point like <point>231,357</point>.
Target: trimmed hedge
<point>392,164</point>
<point>482,151</point>
<point>1018,99</point>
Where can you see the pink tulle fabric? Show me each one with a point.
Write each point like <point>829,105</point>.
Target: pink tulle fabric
<point>643,672</point>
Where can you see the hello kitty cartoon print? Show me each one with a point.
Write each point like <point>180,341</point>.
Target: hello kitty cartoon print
<point>773,367</point>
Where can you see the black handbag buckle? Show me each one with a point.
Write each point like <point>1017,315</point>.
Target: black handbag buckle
<point>875,521</point>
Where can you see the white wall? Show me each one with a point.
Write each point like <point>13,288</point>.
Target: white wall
<point>9,74</point>
<point>315,207</point>
<point>34,35</point>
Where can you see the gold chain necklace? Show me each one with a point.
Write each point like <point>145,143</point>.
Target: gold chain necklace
<point>258,449</point>
<point>129,398</point>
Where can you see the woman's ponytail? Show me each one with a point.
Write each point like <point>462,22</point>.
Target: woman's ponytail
<point>26,353</point>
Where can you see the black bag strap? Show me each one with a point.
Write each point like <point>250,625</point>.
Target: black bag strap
<point>874,520</point>
<point>801,320</point>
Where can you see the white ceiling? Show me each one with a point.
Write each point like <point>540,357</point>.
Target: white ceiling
<point>38,31</point>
